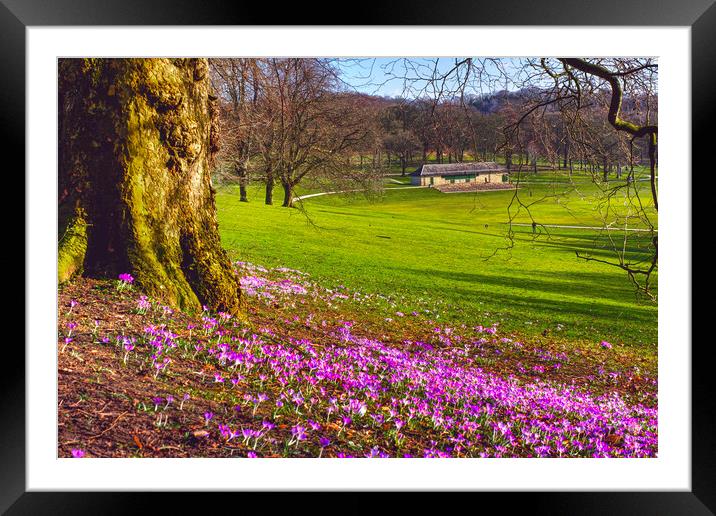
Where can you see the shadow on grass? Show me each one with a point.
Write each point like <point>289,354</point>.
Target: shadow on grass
<point>557,296</point>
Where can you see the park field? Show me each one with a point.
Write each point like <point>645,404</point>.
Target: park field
<point>426,248</point>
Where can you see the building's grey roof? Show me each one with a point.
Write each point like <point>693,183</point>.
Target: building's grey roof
<point>458,169</point>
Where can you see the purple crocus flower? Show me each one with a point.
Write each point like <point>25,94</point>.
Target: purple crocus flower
<point>126,278</point>
<point>298,432</point>
<point>143,303</point>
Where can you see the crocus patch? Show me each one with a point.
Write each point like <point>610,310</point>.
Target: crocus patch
<point>307,377</point>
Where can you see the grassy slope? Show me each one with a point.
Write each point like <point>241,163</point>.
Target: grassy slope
<point>424,244</point>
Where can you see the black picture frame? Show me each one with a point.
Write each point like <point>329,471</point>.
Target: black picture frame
<point>700,15</point>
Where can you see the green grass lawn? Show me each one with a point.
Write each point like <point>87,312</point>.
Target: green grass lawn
<point>425,245</point>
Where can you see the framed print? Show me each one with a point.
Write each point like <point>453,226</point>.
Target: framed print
<point>313,255</point>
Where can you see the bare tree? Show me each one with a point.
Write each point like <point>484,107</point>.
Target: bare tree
<point>238,82</point>
<point>402,143</point>
<point>579,83</point>
<point>311,129</point>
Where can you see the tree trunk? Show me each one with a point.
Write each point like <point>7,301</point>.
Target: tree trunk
<point>287,195</point>
<point>241,173</point>
<point>269,187</point>
<point>136,145</point>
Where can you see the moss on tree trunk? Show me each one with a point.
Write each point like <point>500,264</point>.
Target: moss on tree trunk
<point>72,247</point>
<point>136,142</point>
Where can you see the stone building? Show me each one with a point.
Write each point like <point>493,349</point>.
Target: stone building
<point>452,173</point>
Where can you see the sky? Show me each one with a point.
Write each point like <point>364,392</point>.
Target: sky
<point>384,76</point>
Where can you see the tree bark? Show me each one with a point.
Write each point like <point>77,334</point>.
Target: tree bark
<point>136,143</point>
